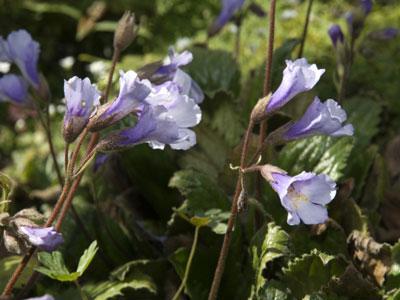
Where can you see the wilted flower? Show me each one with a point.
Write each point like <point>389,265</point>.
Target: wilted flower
<point>14,89</point>
<point>46,239</point>
<point>304,196</point>
<point>229,8</point>
<point>132,93</point>
<point>164,121</point>
<point>81,97</point>
<point>24,52</point>
<point>320,118</point>
<point>44,297</point>
<point>336,34</point>
<point>125,32</point>
<point>298,77</point>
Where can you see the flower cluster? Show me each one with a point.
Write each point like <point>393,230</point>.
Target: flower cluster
<point>21,49</point>
<point>305,195</point>
<point>166,106</point>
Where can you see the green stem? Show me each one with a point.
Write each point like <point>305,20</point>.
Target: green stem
<point>188,264</point>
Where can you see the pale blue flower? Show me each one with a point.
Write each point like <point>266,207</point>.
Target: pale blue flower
<point>131,97</point>
<point>14,89</point>
<point>24,52</point>
<point>46,239</point>
<point>81,97</point>
<point>298,77</point>
<point>320,119</point>
<point>165,119</point>
<point>304,196</point>
<point>229,8</point>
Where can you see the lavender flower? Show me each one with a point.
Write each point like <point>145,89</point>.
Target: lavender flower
<point>366,5</point>
<point>44,297</point>
<point>229,8</point>
<point>320,118</point>
<point>164,121</point>
<point>298,77</point>
<point>14,89</point>
<point>24,52</point>
<point>173,62</point>
<point>132,93</point>
<point>46,239</point>
<point>336,34</point>
<point>81,97</point>
<point>4,52</point>
<point>304,196</point>
<point>385,34</point>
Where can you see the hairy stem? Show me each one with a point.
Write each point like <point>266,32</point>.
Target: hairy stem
<point>267,81</point>
<point>188,264</point>
<point>115,59</point>
<point>231,222</point>
<point>305,29</point>
<point>67,193</point>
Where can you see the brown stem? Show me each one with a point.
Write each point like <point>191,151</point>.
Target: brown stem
<point>267,81</point>
<point>66,157</point>
<point>234,210</point>
<point>115,58</point>
<point>305,28</point>
<point>17,272</point>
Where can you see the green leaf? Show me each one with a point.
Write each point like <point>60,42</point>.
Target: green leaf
<point>310,272</point>
<point>214,71</point>
<point>54,267</point>
<point>269,243</point>
<point>87,258</point>
<point>204,199</point>
<point>273,290</point>
<point>318,154</point>
<point>110,289</point>
<point>364,114</point>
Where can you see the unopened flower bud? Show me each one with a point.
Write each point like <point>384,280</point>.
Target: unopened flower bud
<point>259,111</point>
<point>267,171</point>
<point>125,32</point>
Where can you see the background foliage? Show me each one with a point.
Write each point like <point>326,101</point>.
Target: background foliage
<point>142,206</point>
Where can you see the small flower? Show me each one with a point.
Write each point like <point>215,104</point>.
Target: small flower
<point>24,52</point>
<point>304,196</point>
<point>173,62</point>
<point>298,77</point>
<point>44,297</point>
<point>81,97</point>
<point>14,89</point>
<point>336,34</point>
<point>46,239</point>
<point>320,118</point>
<point>131,97</point>
<point>366,6</point>
<point>385,34</point>
<point>229,8</point>
<point>164,121</point>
